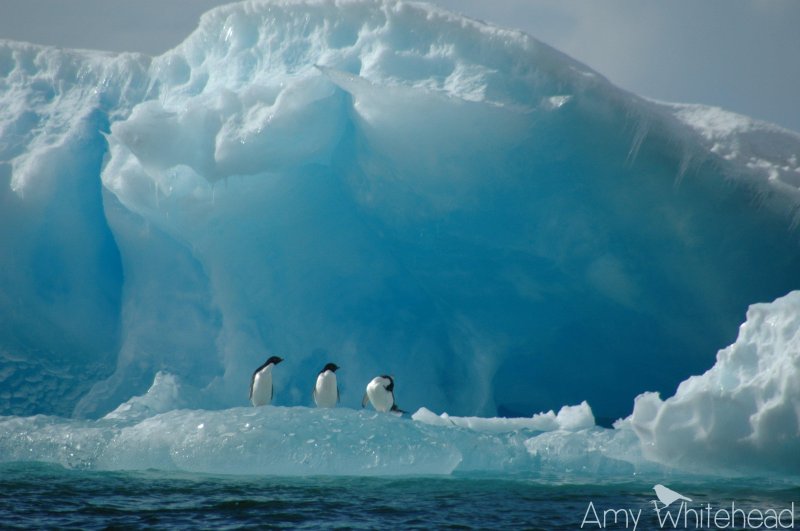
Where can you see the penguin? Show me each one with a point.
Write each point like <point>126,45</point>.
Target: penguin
<point>261,383</point>
<point>380,393</point>
<point>326,391</point>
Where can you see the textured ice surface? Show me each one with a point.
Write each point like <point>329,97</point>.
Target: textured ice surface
<point>569,418</point>
<point>743,413</point>
<point>382,185</point>
<point>310,441</point>
<point>752,149</point>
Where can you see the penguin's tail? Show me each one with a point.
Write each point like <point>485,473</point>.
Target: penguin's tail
<point>396,409</point>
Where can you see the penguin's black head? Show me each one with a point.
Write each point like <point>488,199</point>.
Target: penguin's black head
<point>274,360</point>
<point>389,387</point>
<point>330,367</point>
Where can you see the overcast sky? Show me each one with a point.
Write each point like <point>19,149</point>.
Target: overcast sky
<point>743,55</point>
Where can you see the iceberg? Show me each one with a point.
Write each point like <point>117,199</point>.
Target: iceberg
<point>400,190</point>
<point>743,414</point>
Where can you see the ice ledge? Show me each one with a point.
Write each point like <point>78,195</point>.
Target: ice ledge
<point>291,441</point>
<point>569,418</point>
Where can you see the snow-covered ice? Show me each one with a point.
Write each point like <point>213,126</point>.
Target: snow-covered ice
<point>743,413</point>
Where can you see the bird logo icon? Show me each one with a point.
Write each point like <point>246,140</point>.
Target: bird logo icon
<point>668,496</point>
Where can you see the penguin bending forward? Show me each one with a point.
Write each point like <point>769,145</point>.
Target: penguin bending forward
<point>326,390</point>
<point>380,393</point>
<point>261,383</point>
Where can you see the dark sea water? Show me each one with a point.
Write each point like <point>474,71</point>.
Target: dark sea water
<point>47,496</point>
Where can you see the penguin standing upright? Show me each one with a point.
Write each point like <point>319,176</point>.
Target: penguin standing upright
<point>380,393</point>
<point>261,383</point>
<point>326,390</point>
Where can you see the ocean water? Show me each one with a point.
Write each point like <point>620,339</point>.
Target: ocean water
<point>41,496</point>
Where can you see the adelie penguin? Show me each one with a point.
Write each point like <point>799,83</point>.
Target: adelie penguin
<point>380,393</point>
<point>261,383</point>
<point>326,391</point>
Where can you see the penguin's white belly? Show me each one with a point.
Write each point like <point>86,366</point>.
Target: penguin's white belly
<point>262,388</point>
<point>325,393</point>
<point>381,399</point>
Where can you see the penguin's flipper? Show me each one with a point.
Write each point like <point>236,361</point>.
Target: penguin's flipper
<point>364,400</point>
<point>338,396</point>
<point>252,381</point>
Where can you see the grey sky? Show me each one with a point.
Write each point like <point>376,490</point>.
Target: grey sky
<point>743,55</point>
